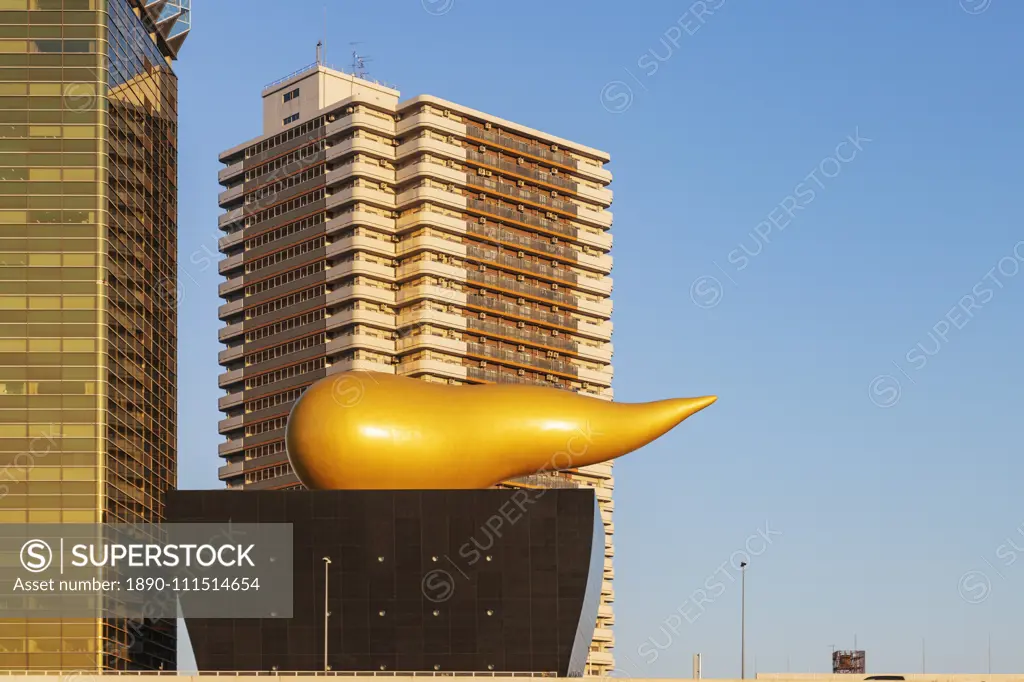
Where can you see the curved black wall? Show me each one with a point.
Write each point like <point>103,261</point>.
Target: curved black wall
<point>467,580</point>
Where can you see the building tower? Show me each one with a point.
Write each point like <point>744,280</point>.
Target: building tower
<point>88,365</point>
<point>420,238</point>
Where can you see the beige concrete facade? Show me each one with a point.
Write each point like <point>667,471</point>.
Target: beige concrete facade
<point>416,237</point>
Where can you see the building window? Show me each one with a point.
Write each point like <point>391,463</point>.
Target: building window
<point>289,96</point>
<point>291,119</point>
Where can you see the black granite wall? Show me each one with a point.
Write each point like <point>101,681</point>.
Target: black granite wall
<point>467,580</point>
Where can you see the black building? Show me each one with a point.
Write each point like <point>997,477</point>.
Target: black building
<point>465,580</point>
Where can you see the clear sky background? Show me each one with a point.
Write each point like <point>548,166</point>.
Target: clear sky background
<point>888,473</point>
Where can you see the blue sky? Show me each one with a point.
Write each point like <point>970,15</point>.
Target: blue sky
<point>864,339</point>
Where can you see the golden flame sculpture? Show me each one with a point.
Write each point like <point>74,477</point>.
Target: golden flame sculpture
<point>364,430</point>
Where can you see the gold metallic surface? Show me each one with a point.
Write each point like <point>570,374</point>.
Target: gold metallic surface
<point>364,430</point>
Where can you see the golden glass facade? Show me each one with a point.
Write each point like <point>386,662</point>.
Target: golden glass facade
<point>88,206</point>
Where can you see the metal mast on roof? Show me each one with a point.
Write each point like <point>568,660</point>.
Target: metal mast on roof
<point>359,62</point>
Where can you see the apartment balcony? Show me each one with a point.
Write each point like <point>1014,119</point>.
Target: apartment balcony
<point>523,195</point>
<point>366,292</point>
<point>520,264</point>
<point>444,344</point>
<point>603,658</point>
<point>521,311</point>
<point>230,286</point>
<point>434,170</point>
<point>451,320</point>
<point>420,145</point>
<point>229,332</point>
<point>376,123</point>
<point>225,219</point>
<point>359,364</point>
<point>230,196</point>
<point>230,354</point>
<point>508,284</point>
<point>230,424</point>
<point>226,265</point>
<point>595,238</point>
<point>230,240</point>
<point>495,377</point>
<point>603,493</point>
<point>230,377</point>
<point>434,268</point>
<point>511,144</point>
<point>603,635</point>
<point>485,328</point>
<point>345,268</point>
<point>599,308</point>
<point>431,219</point>
<point>558,182</point>
<point>527,219</point>
<point>230,447</point>
<point>601,331</point>
<point>345,195</point>
<point>593,376</point>
<point>364,145</point>
<point>521,359</point>
<point>415,195</point>
<point>360,169</point>
<point>378,344</point>
<point>601,353</point>
<point>230,469</point>
<point>373,318</point>
<point>411,245</point>
<point>601,218</point>
<point>228,309</point>
<point>602,196</point>
<point>600,471</point>
<point>350,218</point>
<point>446,295</point>
<point>228,173</point>
<point>601,286</point>
<point>515,240</point>
<point>361,242</point>
<point>230,400</point>
<point>441,368</point>
<point>606,612</point>
<point>423,119</point>
<point>600,263</point>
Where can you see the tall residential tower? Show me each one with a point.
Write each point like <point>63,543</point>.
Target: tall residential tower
<point>88,367</point>
<point>420,238</point>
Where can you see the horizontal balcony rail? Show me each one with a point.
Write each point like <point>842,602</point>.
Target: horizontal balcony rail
<point>477,325</point>
<point>521,311</point>
<point>510,190</point>
<point>494,376</point>
<point>494,161</point>
<point>494,256</point>
<point>520,358</point>
<point>509,237</point>
<point>525,147</point>
<point>477,277</point>
<point>525,218</point>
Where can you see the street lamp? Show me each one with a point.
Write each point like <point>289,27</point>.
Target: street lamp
<point>327,614</point>
<point>743,620</point>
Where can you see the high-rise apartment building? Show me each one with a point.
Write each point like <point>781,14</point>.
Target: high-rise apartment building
<point>421,238</point>
<point>88,211</point>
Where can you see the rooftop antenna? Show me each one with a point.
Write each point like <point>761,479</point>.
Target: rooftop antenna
<point>319,47</point>
<point>325,35</point>
<point>359,62</point>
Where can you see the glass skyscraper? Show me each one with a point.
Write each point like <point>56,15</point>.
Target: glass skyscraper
<point>88,364</point>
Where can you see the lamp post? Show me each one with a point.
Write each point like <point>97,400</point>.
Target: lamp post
<point>743,620</point>
<point>327,614</point>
